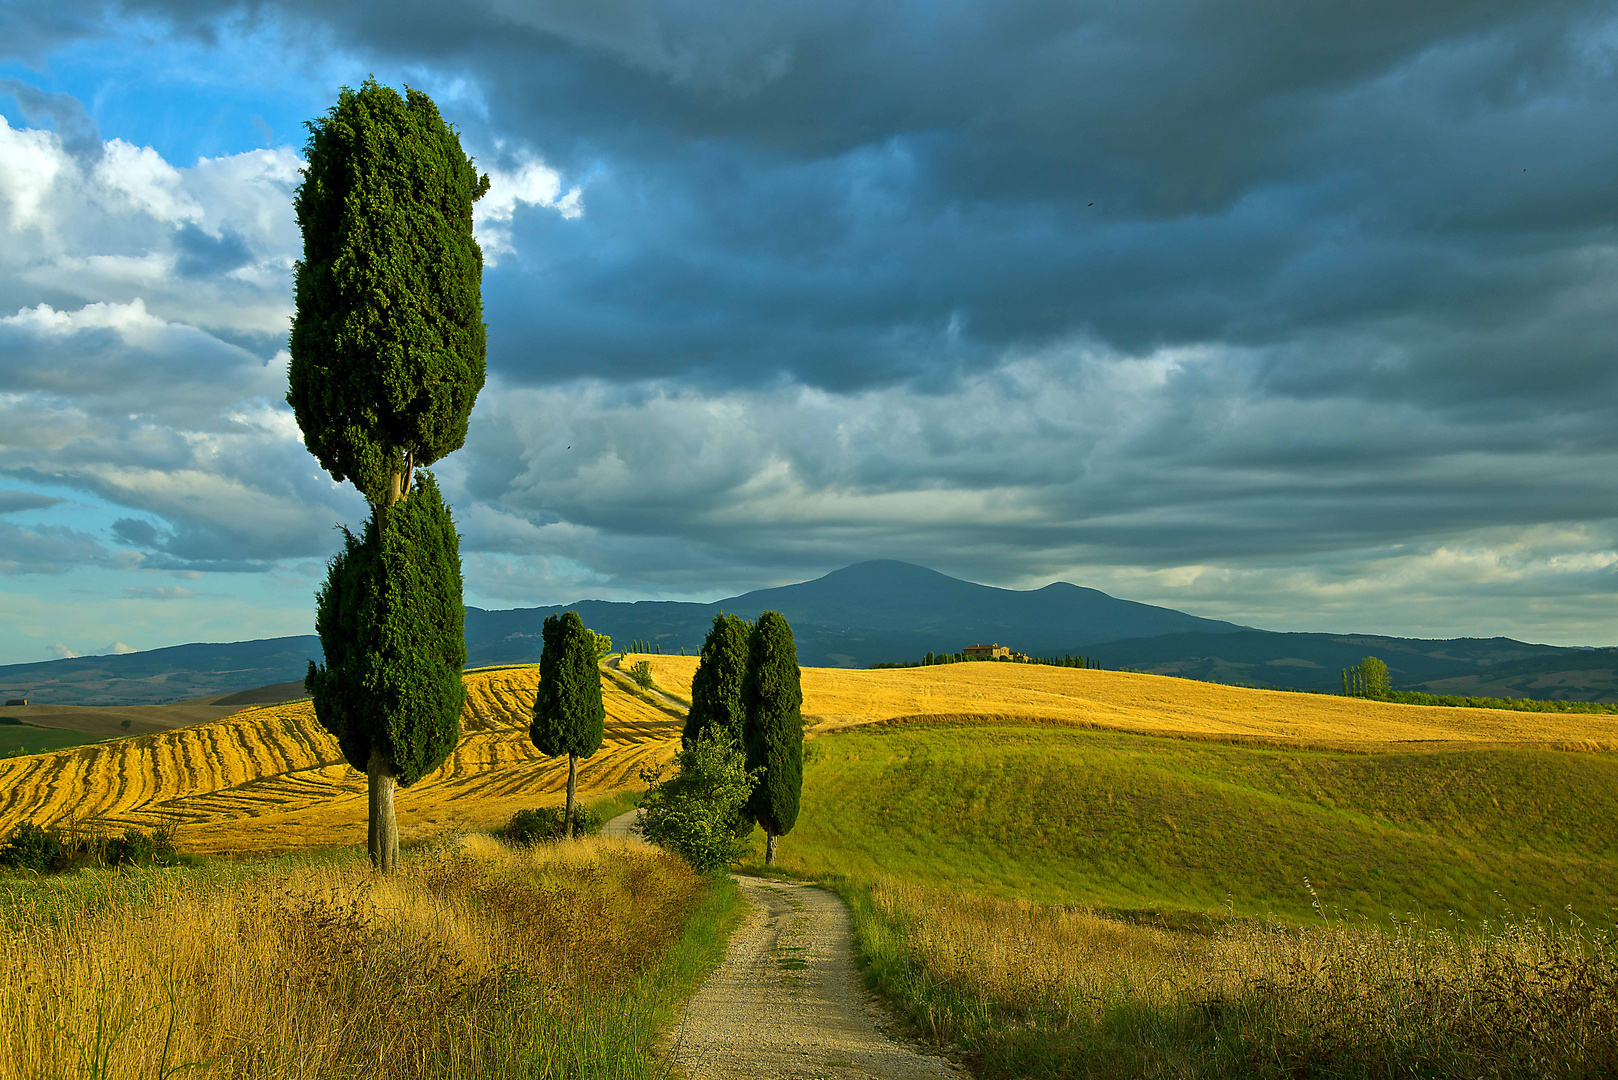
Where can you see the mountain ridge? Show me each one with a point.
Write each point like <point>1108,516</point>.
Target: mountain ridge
<point>884,610</point>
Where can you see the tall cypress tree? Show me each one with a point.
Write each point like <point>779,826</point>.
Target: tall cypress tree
<point>716,688</point>
<point>393,630</point>
<point>773,733</point>
<point>387,360</point>
<point>569,717</point>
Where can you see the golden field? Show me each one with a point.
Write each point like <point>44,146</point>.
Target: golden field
<point>476,960</point>
<point>271,779</point>
<point>1156,705</point>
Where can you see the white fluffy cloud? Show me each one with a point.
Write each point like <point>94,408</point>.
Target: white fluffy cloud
<point>210,245</point>
<point>528,182</point>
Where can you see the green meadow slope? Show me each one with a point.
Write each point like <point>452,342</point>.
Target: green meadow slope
<point>1072,816</point>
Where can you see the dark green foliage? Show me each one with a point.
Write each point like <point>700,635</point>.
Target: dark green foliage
<point>51,850</point>
<point>137,848</point>
<point>392,626</point>
<point>641,672</point>
<point>569,717</point>
<point>1411,697</point>
<point>694,813</point>
<point>388,342</point>
<point>773,734</point>
<point>549,823</point>
<point>1368,679</point>
<point>30,847</point>
<point>716,688</point>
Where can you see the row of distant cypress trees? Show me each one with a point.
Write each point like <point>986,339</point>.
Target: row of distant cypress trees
<point>747,691</point>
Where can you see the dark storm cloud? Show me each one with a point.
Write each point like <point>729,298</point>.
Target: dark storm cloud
<point>12,502</point>
<point>850,196</point>
<point>1016,288</point>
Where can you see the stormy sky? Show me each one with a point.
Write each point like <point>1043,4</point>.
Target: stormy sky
<point>1302,316</point>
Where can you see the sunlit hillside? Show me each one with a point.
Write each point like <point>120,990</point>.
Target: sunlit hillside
<point>271,778</point>
<point>1155,704</point>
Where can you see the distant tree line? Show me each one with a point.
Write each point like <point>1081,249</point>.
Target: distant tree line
<point>1456,701</point>
<point>932,659</point>
<point>639,646</point>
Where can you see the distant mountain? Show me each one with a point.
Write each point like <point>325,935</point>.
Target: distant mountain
<point>877,611</point>
<point>857,616</point>
<point>161,676</point>
<point>852,617</point>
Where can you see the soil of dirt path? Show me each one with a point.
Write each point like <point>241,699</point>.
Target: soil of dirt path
<point>788,1003</point>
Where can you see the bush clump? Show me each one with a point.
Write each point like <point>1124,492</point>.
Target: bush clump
<point>641,672</point>
<point>137,848</point>
<point>529,827</point>
<point>50,850</point>
<point>30,847</point>
<point>698,812</point>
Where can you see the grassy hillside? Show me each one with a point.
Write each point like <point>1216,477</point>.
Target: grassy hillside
<point>474,961</point>
<point>22,739</point>
<point>1155,704</point>
<point>1049,900</point>
<point>271,779</point>
<point>1122,821</point>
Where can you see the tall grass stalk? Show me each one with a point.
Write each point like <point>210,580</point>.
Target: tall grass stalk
<point>1032,990</point>
<point>475,960</point>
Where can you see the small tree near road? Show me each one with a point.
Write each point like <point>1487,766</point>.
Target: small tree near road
<point>692,813</point>
<point>773,732</point>
<point>569,717</point>
<point>716,688</point>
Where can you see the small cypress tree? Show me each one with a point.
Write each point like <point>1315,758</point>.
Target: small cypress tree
<point>773,733</point>
<point>393,630</point>
<point>716,688</point>
<point>569,717</point>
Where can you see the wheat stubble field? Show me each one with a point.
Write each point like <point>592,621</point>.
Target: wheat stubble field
<point>835,698</point>
<point>271,779</point>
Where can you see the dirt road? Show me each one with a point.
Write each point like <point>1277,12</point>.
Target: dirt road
<point>788,1003</point>
<point>614,668</point>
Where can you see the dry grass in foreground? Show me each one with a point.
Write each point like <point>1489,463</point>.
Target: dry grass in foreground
<point>1157,705</point>
<point>1028,990</point>
<point>271,779</point>
<point>475,960</point>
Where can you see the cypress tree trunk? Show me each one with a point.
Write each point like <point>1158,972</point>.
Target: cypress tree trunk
<point>383,833</point>
<point>770,840</point>
<point>569,827</point>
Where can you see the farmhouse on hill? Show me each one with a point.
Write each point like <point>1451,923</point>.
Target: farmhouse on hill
<point>993,652</point>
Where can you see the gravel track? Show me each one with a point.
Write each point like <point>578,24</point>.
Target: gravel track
<point>788,1003</point>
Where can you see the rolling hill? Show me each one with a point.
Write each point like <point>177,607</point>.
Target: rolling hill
<point>885,611</point>
<point>272,779</point>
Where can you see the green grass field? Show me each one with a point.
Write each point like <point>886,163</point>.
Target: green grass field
<point>1126,822</point>
<point>17,740</point>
